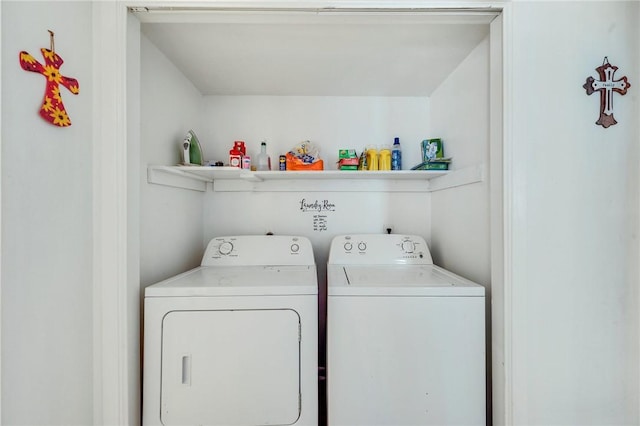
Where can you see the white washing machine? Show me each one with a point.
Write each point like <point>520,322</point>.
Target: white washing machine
<point>405,338</point>
<point>235,341</point>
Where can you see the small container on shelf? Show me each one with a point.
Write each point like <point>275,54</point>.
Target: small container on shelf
<point>372,157</point>
<point>347,159</point>
<point>384,158</point>
<point>236,153</point>
<point>246,162</point>
<point>362,163</point>
<point>433,165</point>
<point>396,155</point>
<point>263,161</point>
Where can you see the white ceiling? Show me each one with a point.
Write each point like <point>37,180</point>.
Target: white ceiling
<point>356,54</point>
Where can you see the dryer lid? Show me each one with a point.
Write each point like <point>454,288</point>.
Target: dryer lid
<point>398,280</point>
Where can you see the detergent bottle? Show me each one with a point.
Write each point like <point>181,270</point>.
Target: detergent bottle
<point>384,162</point>
<point>372,157</point>
<point>396,155</point>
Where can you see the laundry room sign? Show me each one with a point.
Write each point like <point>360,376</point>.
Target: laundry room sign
<point>319,209</point>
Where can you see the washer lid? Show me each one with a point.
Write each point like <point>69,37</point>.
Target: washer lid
<point>397,280</point>
<point>239,281</point>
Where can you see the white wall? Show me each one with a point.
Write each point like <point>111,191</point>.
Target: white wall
<point>46,222</point>
<point>575,261</point>
<point>245,213</point>
<point>134,291</point>
<point>171,219</point>
<point>460,216</point>
<point>330,122</point>
<point>460,233</point>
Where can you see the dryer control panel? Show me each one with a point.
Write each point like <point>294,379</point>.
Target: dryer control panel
<point>258,250</point>
<point>379,249</point>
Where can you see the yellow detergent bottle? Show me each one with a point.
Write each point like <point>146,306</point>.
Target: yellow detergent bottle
<point>385,158</point>
<point>372,158</point>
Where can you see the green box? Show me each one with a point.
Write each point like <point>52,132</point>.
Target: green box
<point>436,165</point>
<point>432,149</point>
<point>347,153</point>
<point>432,165</point>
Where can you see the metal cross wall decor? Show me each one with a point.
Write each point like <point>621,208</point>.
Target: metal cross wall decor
<point>606,86</point>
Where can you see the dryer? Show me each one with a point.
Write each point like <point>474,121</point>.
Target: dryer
<point>234,341</point>
<point>405,338</point>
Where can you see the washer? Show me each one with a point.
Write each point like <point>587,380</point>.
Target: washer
<point>405,338</point>
<point>235,341</point>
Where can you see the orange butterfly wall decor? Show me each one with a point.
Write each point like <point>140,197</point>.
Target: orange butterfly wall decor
<point>52,108</point>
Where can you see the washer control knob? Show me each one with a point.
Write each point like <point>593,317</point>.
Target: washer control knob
<point>408,246</point>
<point>225,248</point>
<point>362,246</point>
<point>295,248</point>
<point>348,246</point>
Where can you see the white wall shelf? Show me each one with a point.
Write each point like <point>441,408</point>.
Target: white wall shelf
<point>225,179</point>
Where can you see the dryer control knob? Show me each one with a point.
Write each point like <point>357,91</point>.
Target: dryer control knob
<point>225,248</point>
<point>295,248</point>
<point>362,246</point>
<point>408,246</point>
<point>348,246</point>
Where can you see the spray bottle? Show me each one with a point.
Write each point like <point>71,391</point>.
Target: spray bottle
<point>396,155</point>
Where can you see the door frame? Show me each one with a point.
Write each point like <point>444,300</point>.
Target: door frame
<point>117,293</point>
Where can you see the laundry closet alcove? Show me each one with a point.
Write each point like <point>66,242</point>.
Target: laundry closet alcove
<point>342,78</point>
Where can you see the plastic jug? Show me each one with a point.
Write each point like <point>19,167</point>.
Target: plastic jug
<point>372,158</point>
<point>385,158</point>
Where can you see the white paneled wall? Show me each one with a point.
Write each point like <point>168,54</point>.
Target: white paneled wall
<point>170,219</point>
<point>330,122</point>
<point>575,284</point>
<point>460,116</point>
<point>47,294</point>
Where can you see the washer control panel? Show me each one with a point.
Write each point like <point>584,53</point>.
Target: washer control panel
<point>258,250</point>
<point>383,249</point>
